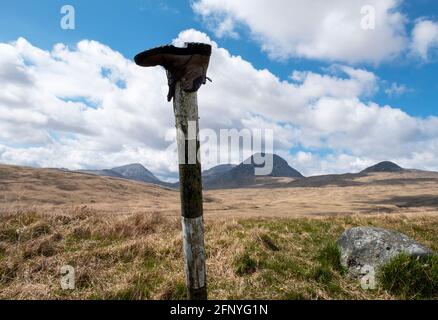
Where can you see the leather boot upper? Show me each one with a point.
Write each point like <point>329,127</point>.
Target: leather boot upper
<point>188,65</point>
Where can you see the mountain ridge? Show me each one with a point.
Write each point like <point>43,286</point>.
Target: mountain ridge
<point>244,175</point>
<point>134,172</point>
<point>227,176</point>
<point>384,166</point>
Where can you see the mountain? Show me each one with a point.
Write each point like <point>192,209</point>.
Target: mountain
<point>349,179</point>
<point>339,180</point>
<point>215,172</point>
<point>280,168</point>
<point>218,170</point>
<point>243,175</point>
<point>136,172</point>
<point>385,166</point>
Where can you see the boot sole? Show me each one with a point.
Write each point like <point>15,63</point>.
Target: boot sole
<point>191,49</point>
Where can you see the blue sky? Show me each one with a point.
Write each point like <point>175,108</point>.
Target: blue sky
<point>131,26</point>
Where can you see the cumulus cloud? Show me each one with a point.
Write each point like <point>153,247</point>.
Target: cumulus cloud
<point>395,90</point>
<point>90,107</point>
<point>424,38</point>
<point>326,30</point>
<point>68,107</point>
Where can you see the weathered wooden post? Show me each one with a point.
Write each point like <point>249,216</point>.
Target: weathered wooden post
<point>187,125</point>
<point>186,70</point>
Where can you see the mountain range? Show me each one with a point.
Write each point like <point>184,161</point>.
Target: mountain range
<point>228,176</point>
<point>135,172</point>
<point>244,175</point>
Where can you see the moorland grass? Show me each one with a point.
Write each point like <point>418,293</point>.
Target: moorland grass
<point>139,256</point>
<point>411,277</point>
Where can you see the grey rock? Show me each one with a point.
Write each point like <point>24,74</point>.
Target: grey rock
<point>365,247</point>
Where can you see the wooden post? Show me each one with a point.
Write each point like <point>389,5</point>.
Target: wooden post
<point>185,106</point>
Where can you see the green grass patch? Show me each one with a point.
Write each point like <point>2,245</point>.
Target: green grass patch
<point>284,264</point>
<point>322,274</point>
<point>411,277</point>
<point>268,242</point>
<point>244,264</point>
<point>330,255</point>
<point>176,291</point>
<point>10,235</point>
<point>140,288</point>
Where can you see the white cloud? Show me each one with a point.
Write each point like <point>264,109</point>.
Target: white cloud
<point>424,38</point>
<point>66,108</point>
<point>45,105</point>
<point>395,90</point>
<point>326,30</point>
<point>309,163</point>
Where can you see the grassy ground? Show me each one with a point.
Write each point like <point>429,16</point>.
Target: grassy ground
<point>139,256</point>
<point>48,190</point>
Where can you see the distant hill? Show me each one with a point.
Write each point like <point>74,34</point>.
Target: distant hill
<point>27,187</point>
<point>218,170</point>
<point>340,180</point>
<point>135,172</point>
<point>347,179</point>
<point>385,166</point>
<point>103,173</point>
<point>243,175</point>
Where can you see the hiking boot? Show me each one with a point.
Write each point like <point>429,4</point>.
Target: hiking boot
<point>188,65</point>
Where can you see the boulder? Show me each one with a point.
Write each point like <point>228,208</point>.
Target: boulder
<point>364,249</point>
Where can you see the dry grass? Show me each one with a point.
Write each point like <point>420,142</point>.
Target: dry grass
<point>47,190</point>
<point>56,191</point>
<point>124,238</point>
<point>138,256</point>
